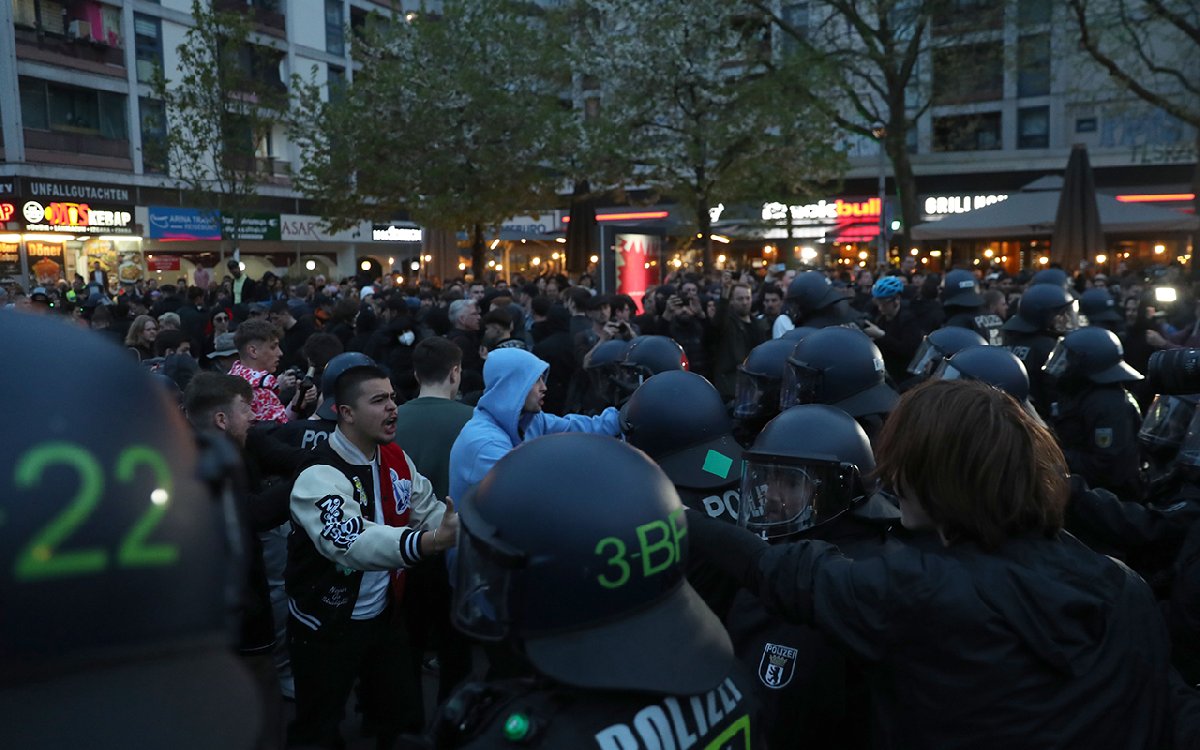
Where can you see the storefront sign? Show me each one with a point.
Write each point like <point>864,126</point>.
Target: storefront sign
<point>158,262</point>
<point>7,210</point>
<point>166,223</point>
<point>393,233</point>
<point>49,191</point>
<point>46,262</point>
<point>77,218</point>
<point>942,205</point>
<point>10,261</point>
<point>301,228</point>
<point>253,226</point>
<point>822,211</point>
<point>531,224</point>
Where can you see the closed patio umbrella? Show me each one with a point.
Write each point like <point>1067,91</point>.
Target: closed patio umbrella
<point>1077,233</point>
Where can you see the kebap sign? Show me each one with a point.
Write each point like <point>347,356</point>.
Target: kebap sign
<point>77,218</point>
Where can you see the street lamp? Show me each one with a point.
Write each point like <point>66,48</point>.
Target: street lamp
<point>880,132</point>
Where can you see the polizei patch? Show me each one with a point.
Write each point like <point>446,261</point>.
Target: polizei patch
<point>777,666</point>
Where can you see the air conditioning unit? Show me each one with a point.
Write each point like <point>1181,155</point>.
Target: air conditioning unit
<point>79,30</point>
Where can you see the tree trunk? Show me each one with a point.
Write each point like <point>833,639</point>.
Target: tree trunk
<point>704,222</point>
<point>1196,209</point>
<point>477,253</point>
<point>906,188</point>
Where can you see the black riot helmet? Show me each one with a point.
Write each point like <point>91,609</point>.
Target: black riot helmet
<point>603,368</point>
<point>1045,308</point>
<point>600,603</point>
<point>961,289</point>
<point>1051,277</point>
<point>337,367</point>
<point>807,465</point>
<point>1099,307</point>
<point>940,345</point>
<point>840,367</point>
<point>1093,354</point>
<point>1166,423</point>
<point>797,333</point>
<point>994,365</point>
<point>679,420</point>
<point>811,292</point>
<point>648,356</point>
<point>117,557</point>
<point>758,378</point>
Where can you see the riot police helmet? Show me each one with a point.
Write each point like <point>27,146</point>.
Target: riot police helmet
<point>1051,277</point>
<point>1045,308</point>
<point>961,289</point>
<point>812,291</point>
<point>994,365</point>
<point>1093,354</point>
<point>603,367</point>
<point>679,420</point>
<point>1099,307</point>
<point>646,357</point>
<point>757,390</point>
<point>797,333</point>
<point>940,345</point>
<point>840,367</point>
<point>337,367</point>
<point>120,560</point>
<point>600,601</point>
<point>807,465</point>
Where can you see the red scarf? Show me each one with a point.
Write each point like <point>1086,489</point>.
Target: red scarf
<point>395,496</point>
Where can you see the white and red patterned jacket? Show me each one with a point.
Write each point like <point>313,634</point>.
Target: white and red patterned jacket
<point>266,404</point>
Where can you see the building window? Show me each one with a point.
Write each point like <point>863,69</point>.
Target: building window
<point>1033,127</point>
<point>66,109</point>
<point>154,136</point>
<point>336,79</point>
<point>1033,12</point>
<point>796,16</point>
<point>1033,65</point>
<point>148,48</point>
<point>1085,125</point>
<point>968,73</point>
<point>979,132</point>
<point>335,33</point>
<point>954,16</point>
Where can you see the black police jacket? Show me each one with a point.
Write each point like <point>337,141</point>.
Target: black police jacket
<point>1039,644</point>
<point>1097,428</point>
<point>807,687</point>
<point>1033,349</point>
<point>985,324</point>
<point>533,712</point>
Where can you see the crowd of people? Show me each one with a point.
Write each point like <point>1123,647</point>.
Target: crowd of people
<point>884,508</point>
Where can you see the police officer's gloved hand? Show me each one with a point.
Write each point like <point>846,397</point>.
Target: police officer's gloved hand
<point>730,548</point>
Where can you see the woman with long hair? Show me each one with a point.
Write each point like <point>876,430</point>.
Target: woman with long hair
<point>983,624</point>
<point>140,338</point>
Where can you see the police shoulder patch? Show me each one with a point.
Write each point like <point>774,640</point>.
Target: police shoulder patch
<point>1104,437</point>
<point>777,666</point>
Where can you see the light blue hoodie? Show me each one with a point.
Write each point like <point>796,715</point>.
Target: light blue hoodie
<point>499,425</point>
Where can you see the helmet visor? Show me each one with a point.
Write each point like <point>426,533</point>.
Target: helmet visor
<point>925,359</point>
<point>781,497</point>
<point>604,380</point>
<point>1059,362</point>
<point>628,377</point>
<point>800,385</point>
<point>481,593</point>
<point>947,371</point>
<point>1066,320</point>
<point>1166,422</point>
<point>752,395</point>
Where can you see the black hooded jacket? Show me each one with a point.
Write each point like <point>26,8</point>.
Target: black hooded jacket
<point>1041,644</point>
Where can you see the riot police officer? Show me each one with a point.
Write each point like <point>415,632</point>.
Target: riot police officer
<point>1100,309</point>
<point>1051,277</point>
<point>842,368</point>
<point>994,365</point>
<point>602,366</point>
<point>647,356</point>
<point>965,309</point>
<point>117,577</point>
<point>938,346</point>
<point>1045,313</point>
<point>1096,419</point>
<point>806,477</point>
<point>625,653</point>
<point>814,301</point>
<point>756,398</point>
<point>308,433</point>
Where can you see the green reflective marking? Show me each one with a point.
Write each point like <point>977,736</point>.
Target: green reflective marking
<point>134,552</point>
<point>718,464</point>
<point>516,727</point>
<point>42,558</point>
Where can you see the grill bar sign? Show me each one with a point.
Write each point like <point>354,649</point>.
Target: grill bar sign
<point>77,218</point>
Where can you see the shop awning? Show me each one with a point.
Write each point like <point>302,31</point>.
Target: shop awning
<point>1031,214</point>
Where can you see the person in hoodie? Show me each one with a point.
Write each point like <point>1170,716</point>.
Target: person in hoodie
<point>982,625</point>
<point>509,413</point>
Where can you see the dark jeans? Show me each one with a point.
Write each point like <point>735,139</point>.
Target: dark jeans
<point>427,597</point>
<point>325,665</point>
